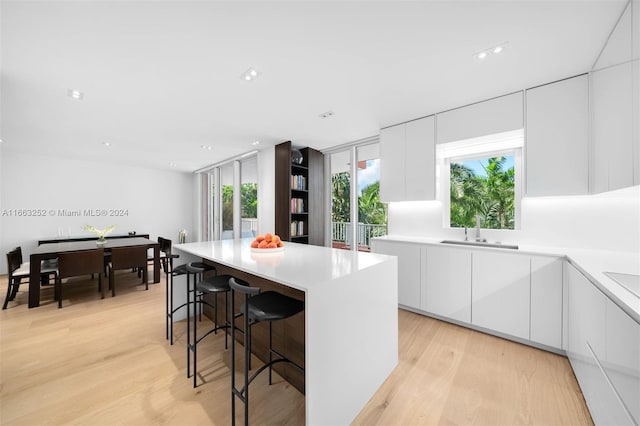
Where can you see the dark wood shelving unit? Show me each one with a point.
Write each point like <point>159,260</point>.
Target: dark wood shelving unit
<point>311,210</point>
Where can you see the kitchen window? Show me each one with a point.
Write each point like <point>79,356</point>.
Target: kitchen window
<point>481,177</point>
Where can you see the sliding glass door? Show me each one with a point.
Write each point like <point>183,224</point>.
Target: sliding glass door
<point>355,197</point>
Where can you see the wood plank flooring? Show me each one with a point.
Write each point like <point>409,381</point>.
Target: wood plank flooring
<point>106,362</point>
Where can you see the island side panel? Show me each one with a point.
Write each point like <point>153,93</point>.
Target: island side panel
<point>352,342</point>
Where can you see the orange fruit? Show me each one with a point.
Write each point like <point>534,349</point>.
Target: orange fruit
<point>259,238</point>
<point>263,244</point>
<point>280,244</point>
<point>268,236</point>
<point>254,244</point>
<point>275,239</point>
<point>272,245</point>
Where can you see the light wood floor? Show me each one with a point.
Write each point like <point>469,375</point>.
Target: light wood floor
<point>106,362</point>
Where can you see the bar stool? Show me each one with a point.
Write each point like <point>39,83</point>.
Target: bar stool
<point>257,307</point>
<point>169,273</point>
<point>211,285</point>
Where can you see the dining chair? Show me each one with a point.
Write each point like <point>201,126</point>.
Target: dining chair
<point>77,263</point>
<point>127,258</point>
<point>19,270</point>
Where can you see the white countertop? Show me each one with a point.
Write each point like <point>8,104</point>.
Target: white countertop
<point>592,263</point>
<point>299,266</point>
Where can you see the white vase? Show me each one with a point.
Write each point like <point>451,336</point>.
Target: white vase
<point>101,243</point>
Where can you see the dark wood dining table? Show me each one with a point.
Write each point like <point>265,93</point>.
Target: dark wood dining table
<point>52,250</point>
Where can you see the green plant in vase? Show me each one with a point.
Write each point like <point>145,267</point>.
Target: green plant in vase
<point>100,233</point>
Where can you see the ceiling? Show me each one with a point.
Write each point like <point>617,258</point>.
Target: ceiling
<point>160,79</point>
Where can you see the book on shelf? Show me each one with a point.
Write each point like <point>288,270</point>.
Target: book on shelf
<point>298,182</point>
<point>297,228</point>
<point>297,205</point>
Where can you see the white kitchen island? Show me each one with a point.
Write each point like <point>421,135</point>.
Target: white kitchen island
<point>351,316</point>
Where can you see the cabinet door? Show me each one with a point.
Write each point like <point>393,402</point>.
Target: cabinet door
<point>618,48</point>
<point>500,288</point>
<point>612,128</point>
<point>496,115</point>
<point>546,301</point>
<point>447,284</point>
<point>408,269</point>
<point>623,357</point>
<point>587,349</point>
<point>420,160</point>
<point>392,164</point>
<point>557,143</point>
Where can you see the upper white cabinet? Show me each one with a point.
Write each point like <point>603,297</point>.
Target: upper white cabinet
<point>392,163</point>
<point>614,149</point>
<point>546,300</point>
<point>557,138</point>
<point>619,46</point>
<point>409,269</point>
<point>615,107</point>
<point>407,166</point>
<point>501,298</point>
<point>447,286</point>
<point>496,115</point>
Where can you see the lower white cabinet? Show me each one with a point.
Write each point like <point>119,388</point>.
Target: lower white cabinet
<point>409,261</point>
<point>622,364</point>
<point>546,300</point>
<point>447,285</point>
<point>500,296</point>
<point>587,350</point>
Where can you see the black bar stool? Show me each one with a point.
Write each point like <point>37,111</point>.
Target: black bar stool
<point>257,307</point>
<point>211,285</point>
<point>169,272</point>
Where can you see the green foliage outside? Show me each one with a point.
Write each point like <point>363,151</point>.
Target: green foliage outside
<point>248,200</point>
<point>370,209</point>
<point>492,197</point>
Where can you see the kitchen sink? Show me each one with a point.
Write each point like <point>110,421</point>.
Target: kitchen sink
<point>628,281</point>
<point>480,244</point>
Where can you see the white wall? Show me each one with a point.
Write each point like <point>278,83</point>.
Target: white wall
<point>159,203</point>
<point>608,221</point>
<point>266,190</point>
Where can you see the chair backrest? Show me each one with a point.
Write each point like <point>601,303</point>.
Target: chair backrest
<point>19,250</point>
<point>165,246</point>
<point>243,287</point>
<point>129,257</point>
<point>13,261</point>
<point>83,262</point>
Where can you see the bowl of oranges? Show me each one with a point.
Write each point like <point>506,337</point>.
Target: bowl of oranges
<point>267,243</point>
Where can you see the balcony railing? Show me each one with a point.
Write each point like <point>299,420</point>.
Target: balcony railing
<point>341,233</point>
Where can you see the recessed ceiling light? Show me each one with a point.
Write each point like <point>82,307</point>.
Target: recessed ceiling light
<point>490,51</point>
<point>250,74</point>
<point>327,114</point>
<point>207,147</point>
<point>75,94</point>
<point>172,164</point>
<point>256,143</point>
<point>106,143</point>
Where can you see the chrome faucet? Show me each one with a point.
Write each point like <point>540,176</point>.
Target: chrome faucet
<point>483,240</point>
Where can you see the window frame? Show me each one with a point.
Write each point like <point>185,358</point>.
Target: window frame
<point>500,144</point>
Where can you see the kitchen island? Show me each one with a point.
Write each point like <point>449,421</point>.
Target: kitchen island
<point>350,318</point>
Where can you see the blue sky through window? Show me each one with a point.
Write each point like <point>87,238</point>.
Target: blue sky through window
<point>477,165</point>
<point>369,175</point>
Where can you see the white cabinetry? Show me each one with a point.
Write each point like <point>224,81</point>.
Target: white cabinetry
<point>409,269</point>
<point>587,349</point>
<point>495,115</point>
<point>501,298</point>
<point>447,287</point>
<point>407,166</point>
<point>546,300</point>
<point>557,138</point>
<point>615,160</point>
<point>622,364</point>
<point>612,128</point>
